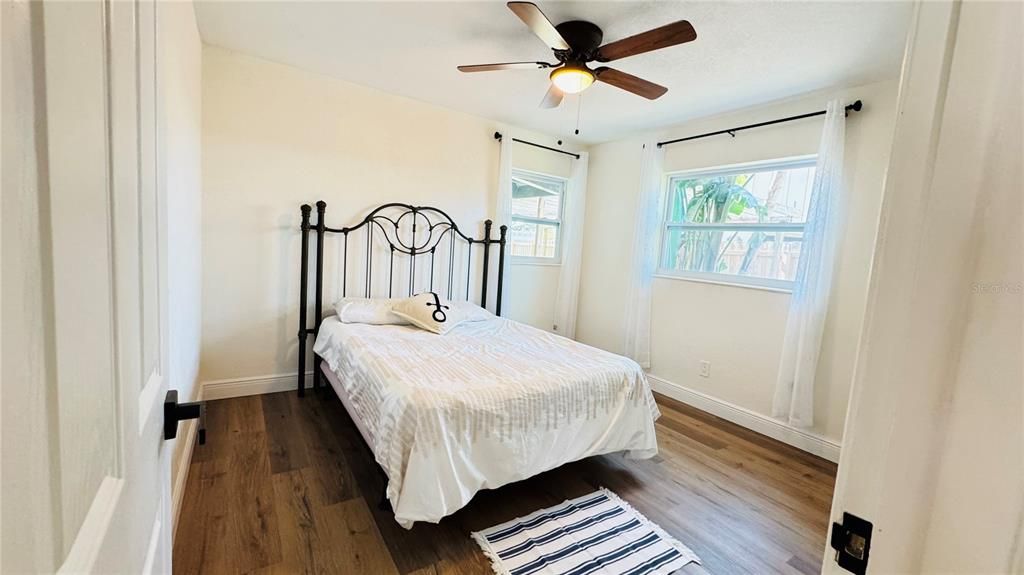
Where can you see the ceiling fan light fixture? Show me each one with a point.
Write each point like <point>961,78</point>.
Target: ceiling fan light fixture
<point>572,79</point>
<point>576,43</point>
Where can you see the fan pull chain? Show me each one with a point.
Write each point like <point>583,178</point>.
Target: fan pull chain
<point>579,107</point>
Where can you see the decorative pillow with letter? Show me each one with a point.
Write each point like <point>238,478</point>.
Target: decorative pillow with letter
<point>430,312</point>
<point>373,311</point>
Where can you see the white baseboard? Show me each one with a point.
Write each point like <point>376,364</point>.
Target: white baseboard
<point>184,462</point>
<point>242,386</point>
<point>799,438</point>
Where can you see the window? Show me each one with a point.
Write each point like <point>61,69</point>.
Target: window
<point>536,216</point>
<point>739,224</point>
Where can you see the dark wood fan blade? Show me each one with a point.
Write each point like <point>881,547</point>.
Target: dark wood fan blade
<point>630,83</point>
<point>531,15</point>
<point>553,98</point>
<point>668,35</point>
<point>504,66</point>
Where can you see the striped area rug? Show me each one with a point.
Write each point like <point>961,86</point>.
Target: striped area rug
<point>597,534</point>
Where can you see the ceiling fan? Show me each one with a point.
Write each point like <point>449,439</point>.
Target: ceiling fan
<point>577,43</point>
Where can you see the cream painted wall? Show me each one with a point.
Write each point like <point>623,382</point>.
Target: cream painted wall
<point>739,330</point>
<point>275,137</point>
<point>533,286</point>
<point>180,126</point>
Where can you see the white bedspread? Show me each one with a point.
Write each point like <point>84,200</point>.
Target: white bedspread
<point>489,403</point>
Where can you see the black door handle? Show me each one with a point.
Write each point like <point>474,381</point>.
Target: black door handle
<point>175,412</point>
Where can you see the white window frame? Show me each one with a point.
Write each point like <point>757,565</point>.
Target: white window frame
<point>556,260</point>
<point>769,284</point>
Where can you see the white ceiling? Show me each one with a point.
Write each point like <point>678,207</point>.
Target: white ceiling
<point>746,53</point>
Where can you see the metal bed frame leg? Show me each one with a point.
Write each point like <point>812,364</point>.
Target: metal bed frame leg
<point>321,208</point>
<point>303,287</point>
<point>487,258</point>
<point>501,267</point>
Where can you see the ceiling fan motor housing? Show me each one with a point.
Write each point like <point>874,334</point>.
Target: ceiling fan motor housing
<point>577,43</point>
<point>583,37</point>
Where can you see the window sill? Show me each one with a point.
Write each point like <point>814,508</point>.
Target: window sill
<point>724,282</point>
<point>541,263</point>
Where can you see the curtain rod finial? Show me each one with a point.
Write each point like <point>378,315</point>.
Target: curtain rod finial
<point>497,135</point>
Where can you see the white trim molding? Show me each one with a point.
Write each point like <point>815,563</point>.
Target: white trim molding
<point>801,439</point>
<point>256,385</point>
<point>804,160</point>
<point>775,286</point>
<point>763,424</point>
<point>154,545</point>
<point>93,532</point>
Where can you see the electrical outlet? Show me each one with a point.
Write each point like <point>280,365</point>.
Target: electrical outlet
<point>705,368</point>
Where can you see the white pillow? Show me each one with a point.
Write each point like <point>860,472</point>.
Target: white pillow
<point>471,311</point>
<point>431,312</point>
<point>373,311</point>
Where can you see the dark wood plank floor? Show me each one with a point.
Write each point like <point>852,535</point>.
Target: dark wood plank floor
<point>284,485</point>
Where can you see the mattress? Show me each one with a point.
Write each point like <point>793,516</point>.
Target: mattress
<point>489,403</point>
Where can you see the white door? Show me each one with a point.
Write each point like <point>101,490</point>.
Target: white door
<point>86,474</point>
<point>933,451</point>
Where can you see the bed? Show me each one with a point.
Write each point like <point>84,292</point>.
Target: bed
<point>489,403</point>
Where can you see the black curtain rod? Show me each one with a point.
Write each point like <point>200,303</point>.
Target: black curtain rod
<point>855,107</point>
<point>497,136</point>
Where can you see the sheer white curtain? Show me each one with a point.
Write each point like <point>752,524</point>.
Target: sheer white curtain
<point>503,210</point>
<point>644,260</point>
<point>573,211</point>
<point>808,307</point>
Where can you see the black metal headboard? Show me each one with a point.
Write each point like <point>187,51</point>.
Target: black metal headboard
<point>426,231</point>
